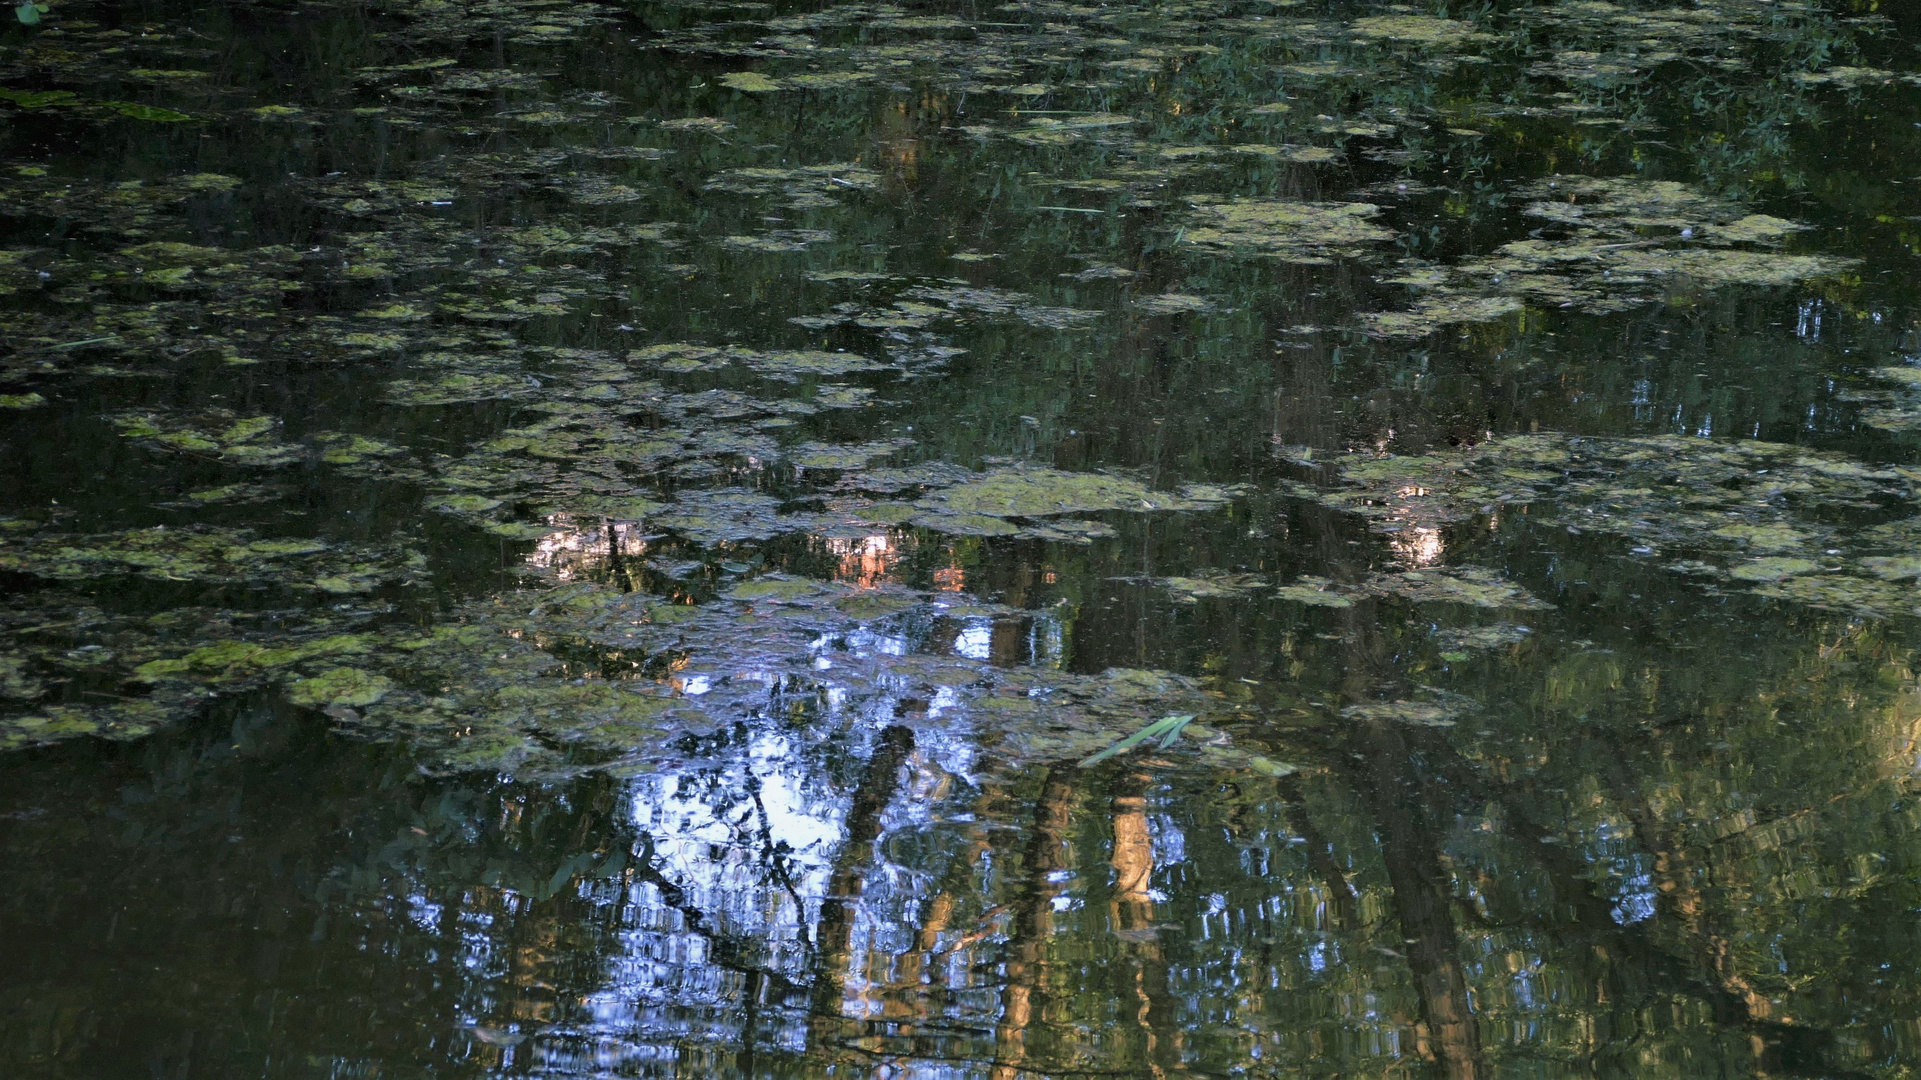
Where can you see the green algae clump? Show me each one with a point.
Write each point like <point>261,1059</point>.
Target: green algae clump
<point>1297,232</point>
<point>341,686</point>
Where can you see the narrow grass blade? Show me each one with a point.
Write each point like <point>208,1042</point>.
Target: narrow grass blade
<point>1166,729</point>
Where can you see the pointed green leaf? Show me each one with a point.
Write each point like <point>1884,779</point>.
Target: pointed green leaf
<point>1174,732</point>
<point>1166,729</point>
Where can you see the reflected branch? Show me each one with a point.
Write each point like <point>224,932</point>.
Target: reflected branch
<point>1785,1048</point>
<point>1320,855</point>
<point>1423,898</point>
<point>833,931</point>
<point>1132,916</point>
<point>1033,920</point>
<point>726,950</point>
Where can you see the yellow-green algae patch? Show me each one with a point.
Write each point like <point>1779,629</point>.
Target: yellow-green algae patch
<point>1607,244</point>
<point>1423,30</point>
<point>341,686</point>
<point>1285,229</point>
<point>211,555</point>
<point>984,504</point>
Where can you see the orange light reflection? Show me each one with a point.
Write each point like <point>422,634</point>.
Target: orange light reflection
<point>865,561</point>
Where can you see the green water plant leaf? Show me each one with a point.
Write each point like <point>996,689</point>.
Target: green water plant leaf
<point>1166,729</point>
<point>1189,590</point>
<point>1474,586</point>
<point>1314,592</point>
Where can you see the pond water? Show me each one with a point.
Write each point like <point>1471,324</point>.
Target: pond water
<point>567,539</point>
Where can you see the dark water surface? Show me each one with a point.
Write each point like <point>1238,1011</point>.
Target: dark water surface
<point>569,539</point>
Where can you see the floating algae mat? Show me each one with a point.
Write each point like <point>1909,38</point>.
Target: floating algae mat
<point>1234,536</point>
<point>1793,524</point>
<point>1615,244</point>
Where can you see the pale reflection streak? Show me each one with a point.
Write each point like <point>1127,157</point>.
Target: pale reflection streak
<point>577,546</point>
<point>976,639</point>
<point>864,561</point>
<point>1418,546</point>
<point>1415,544</point>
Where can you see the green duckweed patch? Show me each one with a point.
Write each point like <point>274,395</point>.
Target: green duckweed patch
<point>1422,30</point>
<point>1297,232</point>
<point>784,366</point>
<point>118,722</point>
<point>1028,492</point>
<point>749,82</point>
<point>1892,409</point>
<point>1417,713</point>
<point>1607,244</point>
<point>74,669</point>
<point>239,440</point>
<point>1033,503</point>
<point>1849,77</point>
<point>1314,591</point>
<point>339,687</point>
<point>1469,586</point>
<point>1173,304</point>
<point>211,555</point>
<point>1772,569</point>
<point>1211,587</point>
<point>1472,586</point>
<point>922,306</point>
<point>1468,639</point>
<point>803,188</point>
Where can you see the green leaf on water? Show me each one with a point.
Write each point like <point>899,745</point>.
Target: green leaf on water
<point>1166,729</point>
<point>29,12</point>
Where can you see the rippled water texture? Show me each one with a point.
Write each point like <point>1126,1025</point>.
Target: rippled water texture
<point>1217,537</point>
